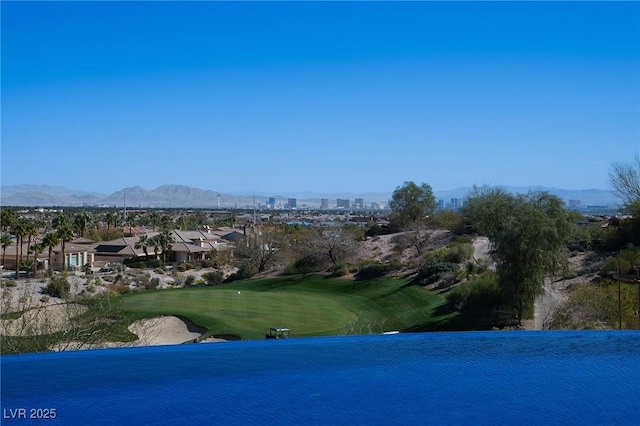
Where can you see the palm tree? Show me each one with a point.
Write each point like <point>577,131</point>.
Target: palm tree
<point>6,241</point>
<point>31,230</point>
<point>64,230</point>
<point>110,219</point>
<point>165,222</point>
<point>153,242</point>
<point>154,217</point>
<point>50,240</point>
<point>81,221</point>
<point>20,230</point>
<point>36,249</point>
<point>165,239</point>
<point>7,219</point>
<point>143,243</point>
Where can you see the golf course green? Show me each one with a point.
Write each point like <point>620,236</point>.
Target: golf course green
<point>309,306</point>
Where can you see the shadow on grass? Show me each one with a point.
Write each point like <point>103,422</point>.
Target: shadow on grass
<point>446,319</point>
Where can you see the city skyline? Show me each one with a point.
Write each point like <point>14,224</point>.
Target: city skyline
<point>322,97</point>
<point>184,196</point>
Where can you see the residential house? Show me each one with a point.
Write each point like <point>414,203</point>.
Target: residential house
<point>75,256</point>
<point>188,246</point>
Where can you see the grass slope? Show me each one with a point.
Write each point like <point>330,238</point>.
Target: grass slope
<point>312,306</point>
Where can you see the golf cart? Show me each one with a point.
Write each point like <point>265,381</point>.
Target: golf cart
<point>277,333</point>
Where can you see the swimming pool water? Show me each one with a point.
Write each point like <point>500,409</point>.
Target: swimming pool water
<point>433,378</point>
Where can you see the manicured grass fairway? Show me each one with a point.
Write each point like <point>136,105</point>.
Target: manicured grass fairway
<point>313,306</point>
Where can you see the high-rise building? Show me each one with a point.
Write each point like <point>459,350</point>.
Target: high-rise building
<point>342,203</point>
<point>324,203</point>
<point>291,203</point>
<point>272,202</point>
<point>358,203</point>
<point>575,204</point>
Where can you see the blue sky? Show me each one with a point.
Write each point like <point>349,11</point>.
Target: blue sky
<point>318,96</point>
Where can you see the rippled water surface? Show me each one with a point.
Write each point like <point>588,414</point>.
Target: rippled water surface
<point>436,378</point>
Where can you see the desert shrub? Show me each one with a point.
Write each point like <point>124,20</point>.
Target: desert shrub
<point>431,270</point>
<point>436,255</point>
<point>463,239</point>
<point>44,299</point>
<point>142,264</point>
<point>478,296</point>
<point>473,268</point>
<point>8,283</point>
<point>185,266</point>
<point>190,280</point>
<point>119,289</point>
<point>39,274</point>
<point>87,269</point>
<point>213,277</point>
<point>153,284</point>
<point>595,306</point>
<point>307,264</point>
<point>58,286</point>
<point>153,263</point>
<point>371,269</point>
<point>159,271</point>
<point>458,252</point>
<point>339,270</point>
<point>177,281</point>
<point>142,279</point>
<point>208,263</point>
<point>375,229</point>
<point>243,272</point>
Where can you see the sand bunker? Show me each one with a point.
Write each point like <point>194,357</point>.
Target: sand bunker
<point>167,330</point>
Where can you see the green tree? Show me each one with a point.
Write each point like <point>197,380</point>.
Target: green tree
<point>486,207</point>
<point>527,233</point>
<point>411,204</point>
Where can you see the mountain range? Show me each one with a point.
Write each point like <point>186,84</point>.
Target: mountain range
<point>185,196</point>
